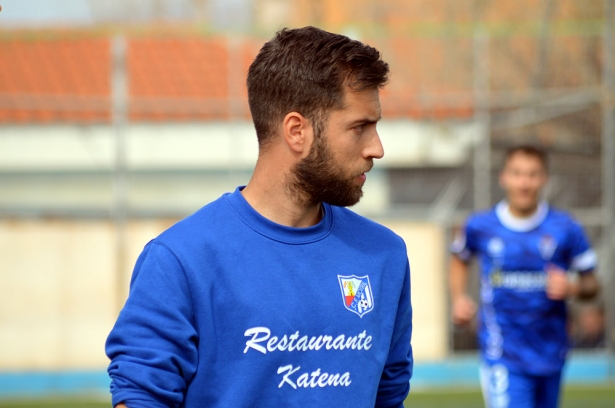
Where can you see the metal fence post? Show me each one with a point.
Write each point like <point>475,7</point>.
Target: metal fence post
<point>608,173</point>
<point>119,117</point>
<point>482,116</point>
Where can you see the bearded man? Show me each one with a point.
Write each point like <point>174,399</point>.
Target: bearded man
<point>276,295</point>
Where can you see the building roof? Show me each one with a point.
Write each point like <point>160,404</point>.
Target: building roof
<point>183,75</point>
<point>172,78</point>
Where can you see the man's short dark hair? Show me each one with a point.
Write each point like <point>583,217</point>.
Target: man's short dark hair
<point>528,150</point>
<point>307,70</point>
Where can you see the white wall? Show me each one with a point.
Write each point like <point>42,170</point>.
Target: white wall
<point>221,145</point>
<point>180,167</point>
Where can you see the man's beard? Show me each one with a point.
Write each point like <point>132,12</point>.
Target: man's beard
<point>318,178</point>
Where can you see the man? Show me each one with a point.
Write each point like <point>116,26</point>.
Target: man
<point>524,248</point>
<point>275,295</point>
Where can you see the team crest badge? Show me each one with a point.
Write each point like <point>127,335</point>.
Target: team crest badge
<point>356,294</point>
<point>547,246</point>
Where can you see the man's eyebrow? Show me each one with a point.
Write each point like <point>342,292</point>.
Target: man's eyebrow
<point>368,120</point>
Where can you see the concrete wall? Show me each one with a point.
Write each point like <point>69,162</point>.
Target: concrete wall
<point>56,294</point>
<point>60,290</point>
<point>426,252</point>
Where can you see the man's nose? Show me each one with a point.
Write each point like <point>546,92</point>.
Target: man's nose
<point>374,149</point>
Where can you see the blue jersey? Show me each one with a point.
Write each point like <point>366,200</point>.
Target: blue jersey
<point>519,326</point>
<point>228,309</point>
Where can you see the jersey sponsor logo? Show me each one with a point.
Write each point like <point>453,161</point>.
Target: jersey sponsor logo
<point>546,246</point>
<point>314,379</point>
<point>262,340</point>
<point>518,280</point>
<point>356,294</point>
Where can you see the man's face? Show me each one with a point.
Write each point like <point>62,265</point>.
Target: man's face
<point>342,152</point>
<point>522,178</point>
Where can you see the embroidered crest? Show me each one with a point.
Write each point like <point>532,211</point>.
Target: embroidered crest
<point>356,294</point>
<point>547,246</point>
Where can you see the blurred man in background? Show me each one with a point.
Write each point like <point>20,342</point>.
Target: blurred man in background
<point>276,295</point>
<point>525,250</point>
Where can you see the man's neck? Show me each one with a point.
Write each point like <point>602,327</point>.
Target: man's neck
<point>269,196</point>
<point>522,212</point>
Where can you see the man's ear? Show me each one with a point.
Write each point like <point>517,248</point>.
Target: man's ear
<point>298,133</point>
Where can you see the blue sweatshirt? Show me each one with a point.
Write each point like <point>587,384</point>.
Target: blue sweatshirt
<point>228,309</point>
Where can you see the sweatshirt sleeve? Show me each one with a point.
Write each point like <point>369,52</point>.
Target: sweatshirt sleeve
<point>395,381</point>
<point>153,345</point>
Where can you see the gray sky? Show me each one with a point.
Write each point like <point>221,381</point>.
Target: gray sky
<point>45,13</point>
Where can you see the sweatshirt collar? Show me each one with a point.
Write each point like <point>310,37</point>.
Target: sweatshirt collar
<point>278,232</point>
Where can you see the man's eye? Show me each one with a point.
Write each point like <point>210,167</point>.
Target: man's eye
<point>359,128</point>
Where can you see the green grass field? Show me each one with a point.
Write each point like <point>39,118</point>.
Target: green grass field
<point>573,397</point>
